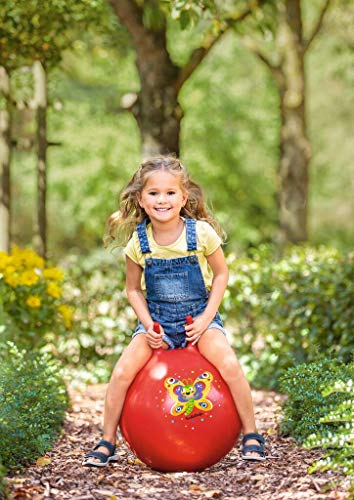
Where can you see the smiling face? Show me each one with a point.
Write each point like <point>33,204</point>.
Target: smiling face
<point>162,197</point>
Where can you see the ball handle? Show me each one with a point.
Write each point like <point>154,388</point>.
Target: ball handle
<point>156,327</point>
<point>189,319</point>
<point>190,346</point>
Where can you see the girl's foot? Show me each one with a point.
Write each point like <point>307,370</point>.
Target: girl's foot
<point>98,456</point>
<point>253,447</point>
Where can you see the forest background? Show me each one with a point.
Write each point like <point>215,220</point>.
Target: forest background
<point>229,132</point>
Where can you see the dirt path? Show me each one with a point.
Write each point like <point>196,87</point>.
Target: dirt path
<point>59,475</point>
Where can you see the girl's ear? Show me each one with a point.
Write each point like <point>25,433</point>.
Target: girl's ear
<point>185,198</point>
<point>138,197</point>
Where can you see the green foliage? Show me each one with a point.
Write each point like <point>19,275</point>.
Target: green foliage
<point>104,321</point>
<point>280,312</point>
<point>34,30</point>
<point>33,401</point>
<point>290,310</point>
<point>307,406</point>
<point>231,100</point>
<point>339,440</point>
<point>3,487</point>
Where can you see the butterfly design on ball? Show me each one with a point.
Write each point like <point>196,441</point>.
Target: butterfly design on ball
<point>187,396</point>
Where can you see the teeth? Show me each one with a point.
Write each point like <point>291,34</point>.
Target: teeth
<point>162,209</point>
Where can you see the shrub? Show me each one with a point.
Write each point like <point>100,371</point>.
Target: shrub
<point>307,406</point>
<point>290,310</point>
<point>3,486</point>
<point>33,401</point>
<point>104,320</point>
<point>30,299</point>
<point>339,440</point>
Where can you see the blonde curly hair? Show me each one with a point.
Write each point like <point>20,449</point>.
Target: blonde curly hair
<point>122,223</point>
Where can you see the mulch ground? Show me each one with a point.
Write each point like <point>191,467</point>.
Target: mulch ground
<point>59,474</point>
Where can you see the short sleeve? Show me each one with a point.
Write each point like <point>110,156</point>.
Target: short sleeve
<point>132,250</point>
<point>208,238</point>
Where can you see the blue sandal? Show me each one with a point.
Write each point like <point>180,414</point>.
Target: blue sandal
<point>259,449</point>
<point>103,458</point>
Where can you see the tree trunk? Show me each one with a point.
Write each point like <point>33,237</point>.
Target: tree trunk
<point>295,150</point>
<point>158,113</point>
<point>156,110</point>
<point>40,99</point>
<point>5,162</point>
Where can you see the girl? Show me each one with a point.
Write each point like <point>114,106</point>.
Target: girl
<point>175,267</point>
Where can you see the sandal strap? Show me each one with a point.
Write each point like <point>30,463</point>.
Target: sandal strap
<point>110,447</point>
<point>253,435</point>
<point>253,448</point>
<point>103,458</point>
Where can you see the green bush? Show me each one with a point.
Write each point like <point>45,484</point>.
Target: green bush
<point>280,311</point>
<point>286,311</point>
<point>3,486</point>
<point>33,400</point>
<point>307,406</point>
<point>339,440</point>
<point>104,320</point>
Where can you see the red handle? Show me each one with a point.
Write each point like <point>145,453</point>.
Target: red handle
<point>189,319</point>
<point>156,327</point>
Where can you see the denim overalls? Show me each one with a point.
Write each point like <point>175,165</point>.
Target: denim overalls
<point>175,288</point>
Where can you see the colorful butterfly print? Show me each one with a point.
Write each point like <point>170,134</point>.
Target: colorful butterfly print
<point>188,396</point>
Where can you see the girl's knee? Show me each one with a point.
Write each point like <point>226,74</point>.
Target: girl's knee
<point>230,369</point>
<point>122,375</point>
<point>131,361</point>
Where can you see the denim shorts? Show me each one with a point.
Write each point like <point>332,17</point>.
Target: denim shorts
<point>179,341</point>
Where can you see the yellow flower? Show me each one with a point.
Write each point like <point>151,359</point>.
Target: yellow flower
<point>53,273</point>
<point>26,258</point>
<point>53,290</point>
<point>28,278</point>
<point>11,279</point>
<point>67,314</point>
<point>34,301</point>
<point>5,260</point>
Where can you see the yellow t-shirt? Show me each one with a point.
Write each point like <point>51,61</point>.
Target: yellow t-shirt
<point>207,242</point>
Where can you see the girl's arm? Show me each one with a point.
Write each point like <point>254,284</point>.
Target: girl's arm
<point>218,265</point>
<point>138,302</point>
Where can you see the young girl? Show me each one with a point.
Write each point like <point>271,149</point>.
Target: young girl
<point>175,267</point>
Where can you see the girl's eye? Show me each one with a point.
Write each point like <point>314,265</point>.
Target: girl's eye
<point>171,193</point>
<point>153,193</point>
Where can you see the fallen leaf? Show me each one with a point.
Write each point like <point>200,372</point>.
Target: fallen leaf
<point>213,494</point>
<point>135,461</point>
<point>195,487</point>
<point>270,432</point>
<point>43,461</point>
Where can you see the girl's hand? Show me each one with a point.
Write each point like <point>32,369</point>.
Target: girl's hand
<point>154,339</point>
<point>196,329</point>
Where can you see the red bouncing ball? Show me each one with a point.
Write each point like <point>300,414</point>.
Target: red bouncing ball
<point>179,414</point>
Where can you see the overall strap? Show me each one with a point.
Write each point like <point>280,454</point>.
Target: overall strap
<point>191,234</point>
<point>142,235</point>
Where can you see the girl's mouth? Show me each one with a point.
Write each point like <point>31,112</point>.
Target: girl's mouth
<point>162,209</point>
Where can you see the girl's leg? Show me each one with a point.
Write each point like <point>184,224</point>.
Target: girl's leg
<point>214,346</point>
<point>133,358</point>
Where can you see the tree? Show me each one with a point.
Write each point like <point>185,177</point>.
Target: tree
<point>33,32</point>
<point>277,38</point>
<point>287,47</point>
<point>156,107</point>
<point>5,160</point>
